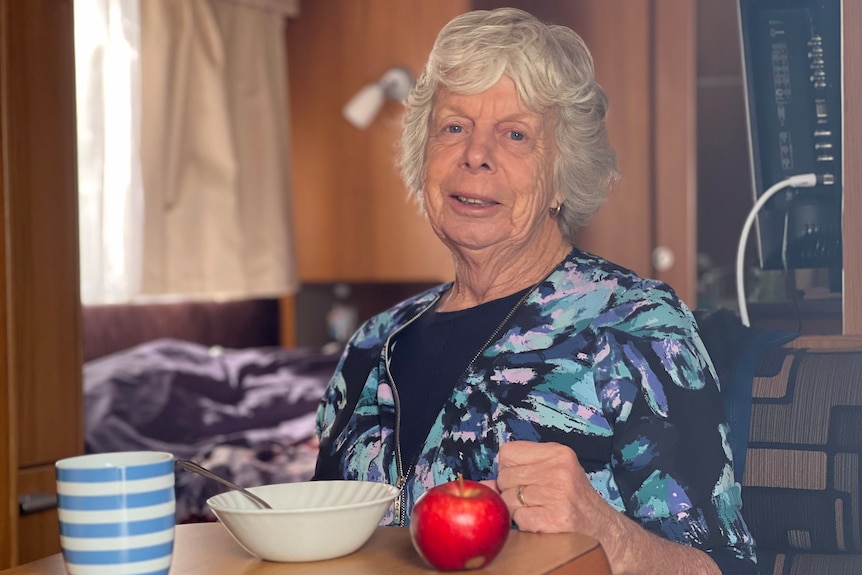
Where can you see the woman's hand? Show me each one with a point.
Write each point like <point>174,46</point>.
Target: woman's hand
<point>547,491</point>
<point>555,493</point>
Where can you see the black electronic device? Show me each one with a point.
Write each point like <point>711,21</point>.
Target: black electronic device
<point>792,71</point>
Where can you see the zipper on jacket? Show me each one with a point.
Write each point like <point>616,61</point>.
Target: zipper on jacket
<point>403,475</point>
<point>401,500</point>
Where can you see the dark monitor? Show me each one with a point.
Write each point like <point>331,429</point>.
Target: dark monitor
<point>791,53</point>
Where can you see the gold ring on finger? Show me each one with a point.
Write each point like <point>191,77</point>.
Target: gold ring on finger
<point>520,492</point>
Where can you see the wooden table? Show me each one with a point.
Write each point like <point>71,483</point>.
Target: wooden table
<point>208,549</point>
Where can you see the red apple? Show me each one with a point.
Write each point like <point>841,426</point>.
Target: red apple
<point>459,525</point>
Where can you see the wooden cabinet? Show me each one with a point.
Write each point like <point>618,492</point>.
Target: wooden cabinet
<point>644,53</point>
<point>41,413</point>
<point>356,226</point>
<point>852,229</point>
<point>355,223</point>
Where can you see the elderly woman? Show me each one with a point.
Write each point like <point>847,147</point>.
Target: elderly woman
<point>578,390</point>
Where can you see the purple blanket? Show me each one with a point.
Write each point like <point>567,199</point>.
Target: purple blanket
<point>248,414</point>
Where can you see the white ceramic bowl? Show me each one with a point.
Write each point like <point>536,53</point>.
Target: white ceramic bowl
<point>310,520</point>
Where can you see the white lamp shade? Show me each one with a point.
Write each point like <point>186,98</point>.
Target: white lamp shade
<point>364,106</point>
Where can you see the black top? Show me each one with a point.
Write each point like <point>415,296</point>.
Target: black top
<point>431,355</point>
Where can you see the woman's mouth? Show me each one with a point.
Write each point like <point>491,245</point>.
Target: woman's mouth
<point>473,201</point>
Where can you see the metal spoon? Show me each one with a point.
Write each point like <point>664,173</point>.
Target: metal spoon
<point>194,467</point>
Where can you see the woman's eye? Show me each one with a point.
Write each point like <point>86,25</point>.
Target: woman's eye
<point>517,136</point>
<point>453,129</point>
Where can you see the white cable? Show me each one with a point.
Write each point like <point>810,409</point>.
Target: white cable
<point>798,181</point>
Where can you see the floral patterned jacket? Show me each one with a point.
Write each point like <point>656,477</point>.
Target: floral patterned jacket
<point>595,358</point>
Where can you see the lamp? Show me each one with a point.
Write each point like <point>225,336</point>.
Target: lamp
<point>364,106</point>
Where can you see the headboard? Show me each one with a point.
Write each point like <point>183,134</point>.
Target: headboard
<point>233,324</point>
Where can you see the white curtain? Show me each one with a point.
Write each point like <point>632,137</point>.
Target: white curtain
<point>214,152</point>
<point>110,193</point>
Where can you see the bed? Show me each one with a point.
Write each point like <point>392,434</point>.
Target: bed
<point>210,381</point>
<point>207,382</point>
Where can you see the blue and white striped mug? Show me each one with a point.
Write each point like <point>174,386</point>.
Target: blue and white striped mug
<point>117,513</point>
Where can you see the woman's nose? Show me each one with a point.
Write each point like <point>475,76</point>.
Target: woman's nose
<point>479,153</point>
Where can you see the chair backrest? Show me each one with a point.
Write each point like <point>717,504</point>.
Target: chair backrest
<point>802,485</point>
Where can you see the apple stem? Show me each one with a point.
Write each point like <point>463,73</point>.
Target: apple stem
<point>461,483</point>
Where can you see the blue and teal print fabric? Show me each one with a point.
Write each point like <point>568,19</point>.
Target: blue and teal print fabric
<point>596,358</point>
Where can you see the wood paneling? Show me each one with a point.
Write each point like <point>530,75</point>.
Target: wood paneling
<point>675,141</point>
<point>852,186</point>
<point>39,531</point>
<point>40,395</point>
<point>833,342</point>
<point>644,53</point>
<point>287,321</point>
<point>42,203</point>
<point>355,223</point>
<point>623,230</point>
<point>8,418</point>
<point>723,164</point>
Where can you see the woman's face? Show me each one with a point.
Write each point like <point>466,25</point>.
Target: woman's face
<point>489,171</point>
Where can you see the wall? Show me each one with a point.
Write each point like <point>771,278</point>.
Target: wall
<point>622,230</point>
<point>355,223</point>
